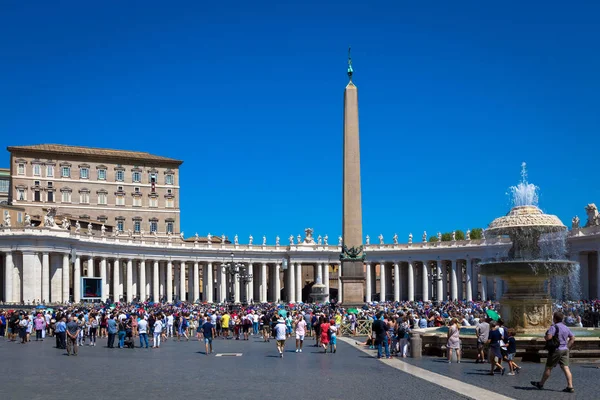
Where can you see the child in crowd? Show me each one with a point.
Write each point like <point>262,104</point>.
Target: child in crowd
<point>511,352</point>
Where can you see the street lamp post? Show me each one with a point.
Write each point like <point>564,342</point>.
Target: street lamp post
<point>434,278</point>
<point>237,272</point>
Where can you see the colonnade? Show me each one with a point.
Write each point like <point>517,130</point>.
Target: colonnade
<point>439,280</point>
<point>53,276</point>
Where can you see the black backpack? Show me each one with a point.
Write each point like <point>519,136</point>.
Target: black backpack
<point>554,342</point>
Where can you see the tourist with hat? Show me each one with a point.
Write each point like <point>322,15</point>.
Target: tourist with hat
<point>280,335</point>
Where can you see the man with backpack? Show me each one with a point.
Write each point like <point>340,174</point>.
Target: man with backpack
<point>559,339</point>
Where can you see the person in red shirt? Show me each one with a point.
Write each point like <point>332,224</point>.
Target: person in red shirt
<point>324,333</point>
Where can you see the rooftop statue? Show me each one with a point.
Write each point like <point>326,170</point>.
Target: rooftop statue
<point>468,234</point>
<point>77,226</point>
<point>291,240</point>
<point>223,238</point>
<point>340,240</point>
<point>27,220</point>
<point>439,236</point>
<point>181,235</point>
<point>319,240</point>
<point>264,240</point>
<point>129,232</point>
<point>236,240</point>
<point>425,237</point>
<point>380,238</point>
<point>367,240</point>
<point>6,219</point>
<point>209,237</point>
<point>395,238</point>
<point>103,230</point>
<point>299,239</point>
<point>49,218</point>
<point>593,219</point>
<point>89,229</point>
<point>196,237</point>
<point>250,240</point>
<point>65,223</point>
<point>454,236</point>
<point>277,241</point>
<point>575,222</point>
<point>410,238</point>
<point>326,240</point>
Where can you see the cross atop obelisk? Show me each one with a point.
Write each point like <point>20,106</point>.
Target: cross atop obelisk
<point>352,256</point>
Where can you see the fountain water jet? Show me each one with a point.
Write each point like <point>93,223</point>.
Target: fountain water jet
<point>537,254</point>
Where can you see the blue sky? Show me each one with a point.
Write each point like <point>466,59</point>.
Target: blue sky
<point>453,97</point>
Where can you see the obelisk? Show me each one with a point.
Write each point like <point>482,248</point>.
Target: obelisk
<point>352,257</point>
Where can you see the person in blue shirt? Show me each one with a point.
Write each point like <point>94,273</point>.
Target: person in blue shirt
<point>61,333</point>
<point>112,331</point>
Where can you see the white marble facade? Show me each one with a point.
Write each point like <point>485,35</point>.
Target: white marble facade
<point>46,264</point>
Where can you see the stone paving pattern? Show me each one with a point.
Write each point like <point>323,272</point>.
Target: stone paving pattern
<point>39,371</point>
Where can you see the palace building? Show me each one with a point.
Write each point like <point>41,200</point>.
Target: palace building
<point>129,190</point>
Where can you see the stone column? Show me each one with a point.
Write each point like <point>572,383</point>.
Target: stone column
<point>209,283</point>
<point>469,280</point>
<point>369,294</point>
<point>155,281</point>
<point>453,282</point>
<point>236,291</point>
<point>411,281</point>
<point>196,277</point>
<point>129,280</point>
<point>425,279</point>
<point>45,277</point>
<point>319,273</point>
<point>382,282</point>
<point>142,276</point>
<point>169,281</point>
<point>77,279</point>
<point>484,289</point>
<point>28,277</point>
<point>597,267</point>
<point>298,282</point>
<point>103,278</point>
<point>340,290</point>
<point>263,283</point>
<point>116,278</point>
<point>291,289</point>
<point>182,281</point>
<point>134,279</point>
<point>499,289</point>
<point>250,285</point>
<point>66,284</point>
<point>326,281</point>
<point>277,296</point>
<point>90,267</point>
<point>8,278</point>
<point>222,284</point>
<point>396,282</point>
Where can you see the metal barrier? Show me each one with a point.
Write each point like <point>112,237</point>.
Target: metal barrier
<point>363,328</point>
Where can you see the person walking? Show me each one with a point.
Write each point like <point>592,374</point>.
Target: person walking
<point>495,353</point>
<point>300,333</point>
<point>482,332</point>
<point>93,322</point>
<point>280,335</point>
<point>558,354</point>
<point>61,335</point>
<point>333,329</point>
<point>158,328</point>
<point>453,343</point>
<point>122,332</point>
<point>112,329</point>
<point>381,340</point>
<point>142,327</point>
<point>208,330</point>
<point>73,330</point>
<point>40,325</point>
<point>324,333</point>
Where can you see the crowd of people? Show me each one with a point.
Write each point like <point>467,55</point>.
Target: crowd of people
<point>75,325</point>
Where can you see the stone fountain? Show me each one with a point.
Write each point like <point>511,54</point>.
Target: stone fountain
<point>537,254</point>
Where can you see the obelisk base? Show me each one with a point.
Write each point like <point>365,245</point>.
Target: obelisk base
<point>353,283</point>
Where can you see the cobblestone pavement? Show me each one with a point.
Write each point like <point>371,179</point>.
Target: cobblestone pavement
<point>586,378</point>
<point>182,370</point>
